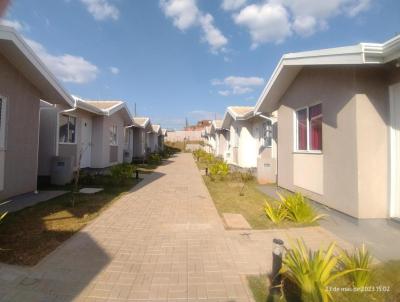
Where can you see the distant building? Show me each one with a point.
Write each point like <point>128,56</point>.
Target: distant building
<point>199,126</point>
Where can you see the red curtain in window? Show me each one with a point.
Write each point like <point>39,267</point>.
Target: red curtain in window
<point>302,129</point>
<point>315,116</point>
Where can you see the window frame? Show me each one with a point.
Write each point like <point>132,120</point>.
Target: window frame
<point>114,126</point>
<point>264,132</point>
<point>296,134</point>
<point>3,122</point>
<point>76,131</point>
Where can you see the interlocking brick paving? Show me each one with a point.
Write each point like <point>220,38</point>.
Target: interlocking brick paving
<point>164,241</point>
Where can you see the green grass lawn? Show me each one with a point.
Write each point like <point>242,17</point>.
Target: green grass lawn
<point>29,235</point>
<point>227,199</point>
<point>384,275</point>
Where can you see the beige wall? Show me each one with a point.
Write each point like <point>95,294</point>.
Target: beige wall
<point>179,136</point>
<point>101,140</point>
<point>20,155</point>
<point>354,163</point>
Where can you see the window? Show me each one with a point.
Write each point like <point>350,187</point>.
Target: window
<point>266,134</point>
<point>2,122</point>
<point>113,135</point>
<point>126,135</point>
<point>309,128</point>
<point>67,129</point>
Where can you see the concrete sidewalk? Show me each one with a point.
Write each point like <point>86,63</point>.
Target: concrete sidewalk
<point>164,241</point>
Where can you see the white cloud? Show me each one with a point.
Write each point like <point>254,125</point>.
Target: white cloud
<point>233,4</point>
<point>267,22</point>
<point>358,7</point>
<point>275,20</point>
<point>185,14</point>
<point>66,67</point>
<point>114,70</point>
<point>211,34</point>
<point>15,24</point>
<point>305,25</point>
<point>237,85</point>
<point>101,9</point>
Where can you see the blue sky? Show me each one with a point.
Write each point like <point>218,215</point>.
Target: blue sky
<point>180,59</point>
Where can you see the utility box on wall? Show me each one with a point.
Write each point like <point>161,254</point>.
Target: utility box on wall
<point>266,170</point>
<point>61,170</point>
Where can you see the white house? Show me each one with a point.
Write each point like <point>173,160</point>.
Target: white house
<point>137,134</point>
<point>250,143</point>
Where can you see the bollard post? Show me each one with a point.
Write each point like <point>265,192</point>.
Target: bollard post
<point>277,254</point>
<point>206,171</point>
<point>137,174</point>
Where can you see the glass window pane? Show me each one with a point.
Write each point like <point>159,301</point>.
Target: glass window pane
<point>71,130</point>
<point>63,130</point>
<point>315,116</point>
<point>302,129</point>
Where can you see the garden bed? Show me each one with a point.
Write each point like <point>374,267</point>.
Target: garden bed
<point>27,236</point>
<point>227,198</point>
<point>385,275</point>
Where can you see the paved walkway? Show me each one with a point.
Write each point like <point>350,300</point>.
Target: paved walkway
<point>164,241</point>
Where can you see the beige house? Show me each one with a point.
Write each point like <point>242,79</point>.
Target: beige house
<point>91,134</point>
<point>138,137</point>
<point>339,123</point>
<point>24,81</point>
<point>154,135</point>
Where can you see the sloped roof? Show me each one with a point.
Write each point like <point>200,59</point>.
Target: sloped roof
<point>104,105</point>
<point>164,132</point>
<point>156,128</point>
<point>14,48</point>
<point>217,124</point>
<point>106,108</point>
<point>237,113</point>
<point>291,64</point>
<point>140,122</point>
<point>240,111</point>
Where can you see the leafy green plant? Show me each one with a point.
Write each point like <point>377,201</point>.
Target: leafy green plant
<point>122,172</point>
<point>2,216</point>
<point>275,212</point>
<point>361,260</point>
<point>154,159</point>
<point>312,271</point>
<point>299,209</point>
<point>219,170</point>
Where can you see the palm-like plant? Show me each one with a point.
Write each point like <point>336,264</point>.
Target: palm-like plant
<point>299,209</point>
<point>360,260</point>
<point>312,271</point>
<point>275,212</point>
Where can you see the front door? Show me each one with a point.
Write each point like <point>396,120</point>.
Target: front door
<point>86,143</point>
<point>394,93</point>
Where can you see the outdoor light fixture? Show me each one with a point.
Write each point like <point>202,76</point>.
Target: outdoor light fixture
<point>277,253</point>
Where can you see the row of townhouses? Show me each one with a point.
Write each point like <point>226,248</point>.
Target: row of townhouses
<point>327,124</point>
<point>43,128</point>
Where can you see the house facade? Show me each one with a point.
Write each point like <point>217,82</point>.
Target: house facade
<point>24,81</point>
<point>91,134</point>
<point>338,126</point>
<point>138,133</point>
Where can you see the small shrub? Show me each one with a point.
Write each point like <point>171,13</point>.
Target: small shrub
<point>121,173</point>
<point>245,177</point>
<point>154,159</point>
<point>219,170</point>
<point>299,209</point>
<point>312,271</point>
<point>360,262</point>
<point>277,213</point>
